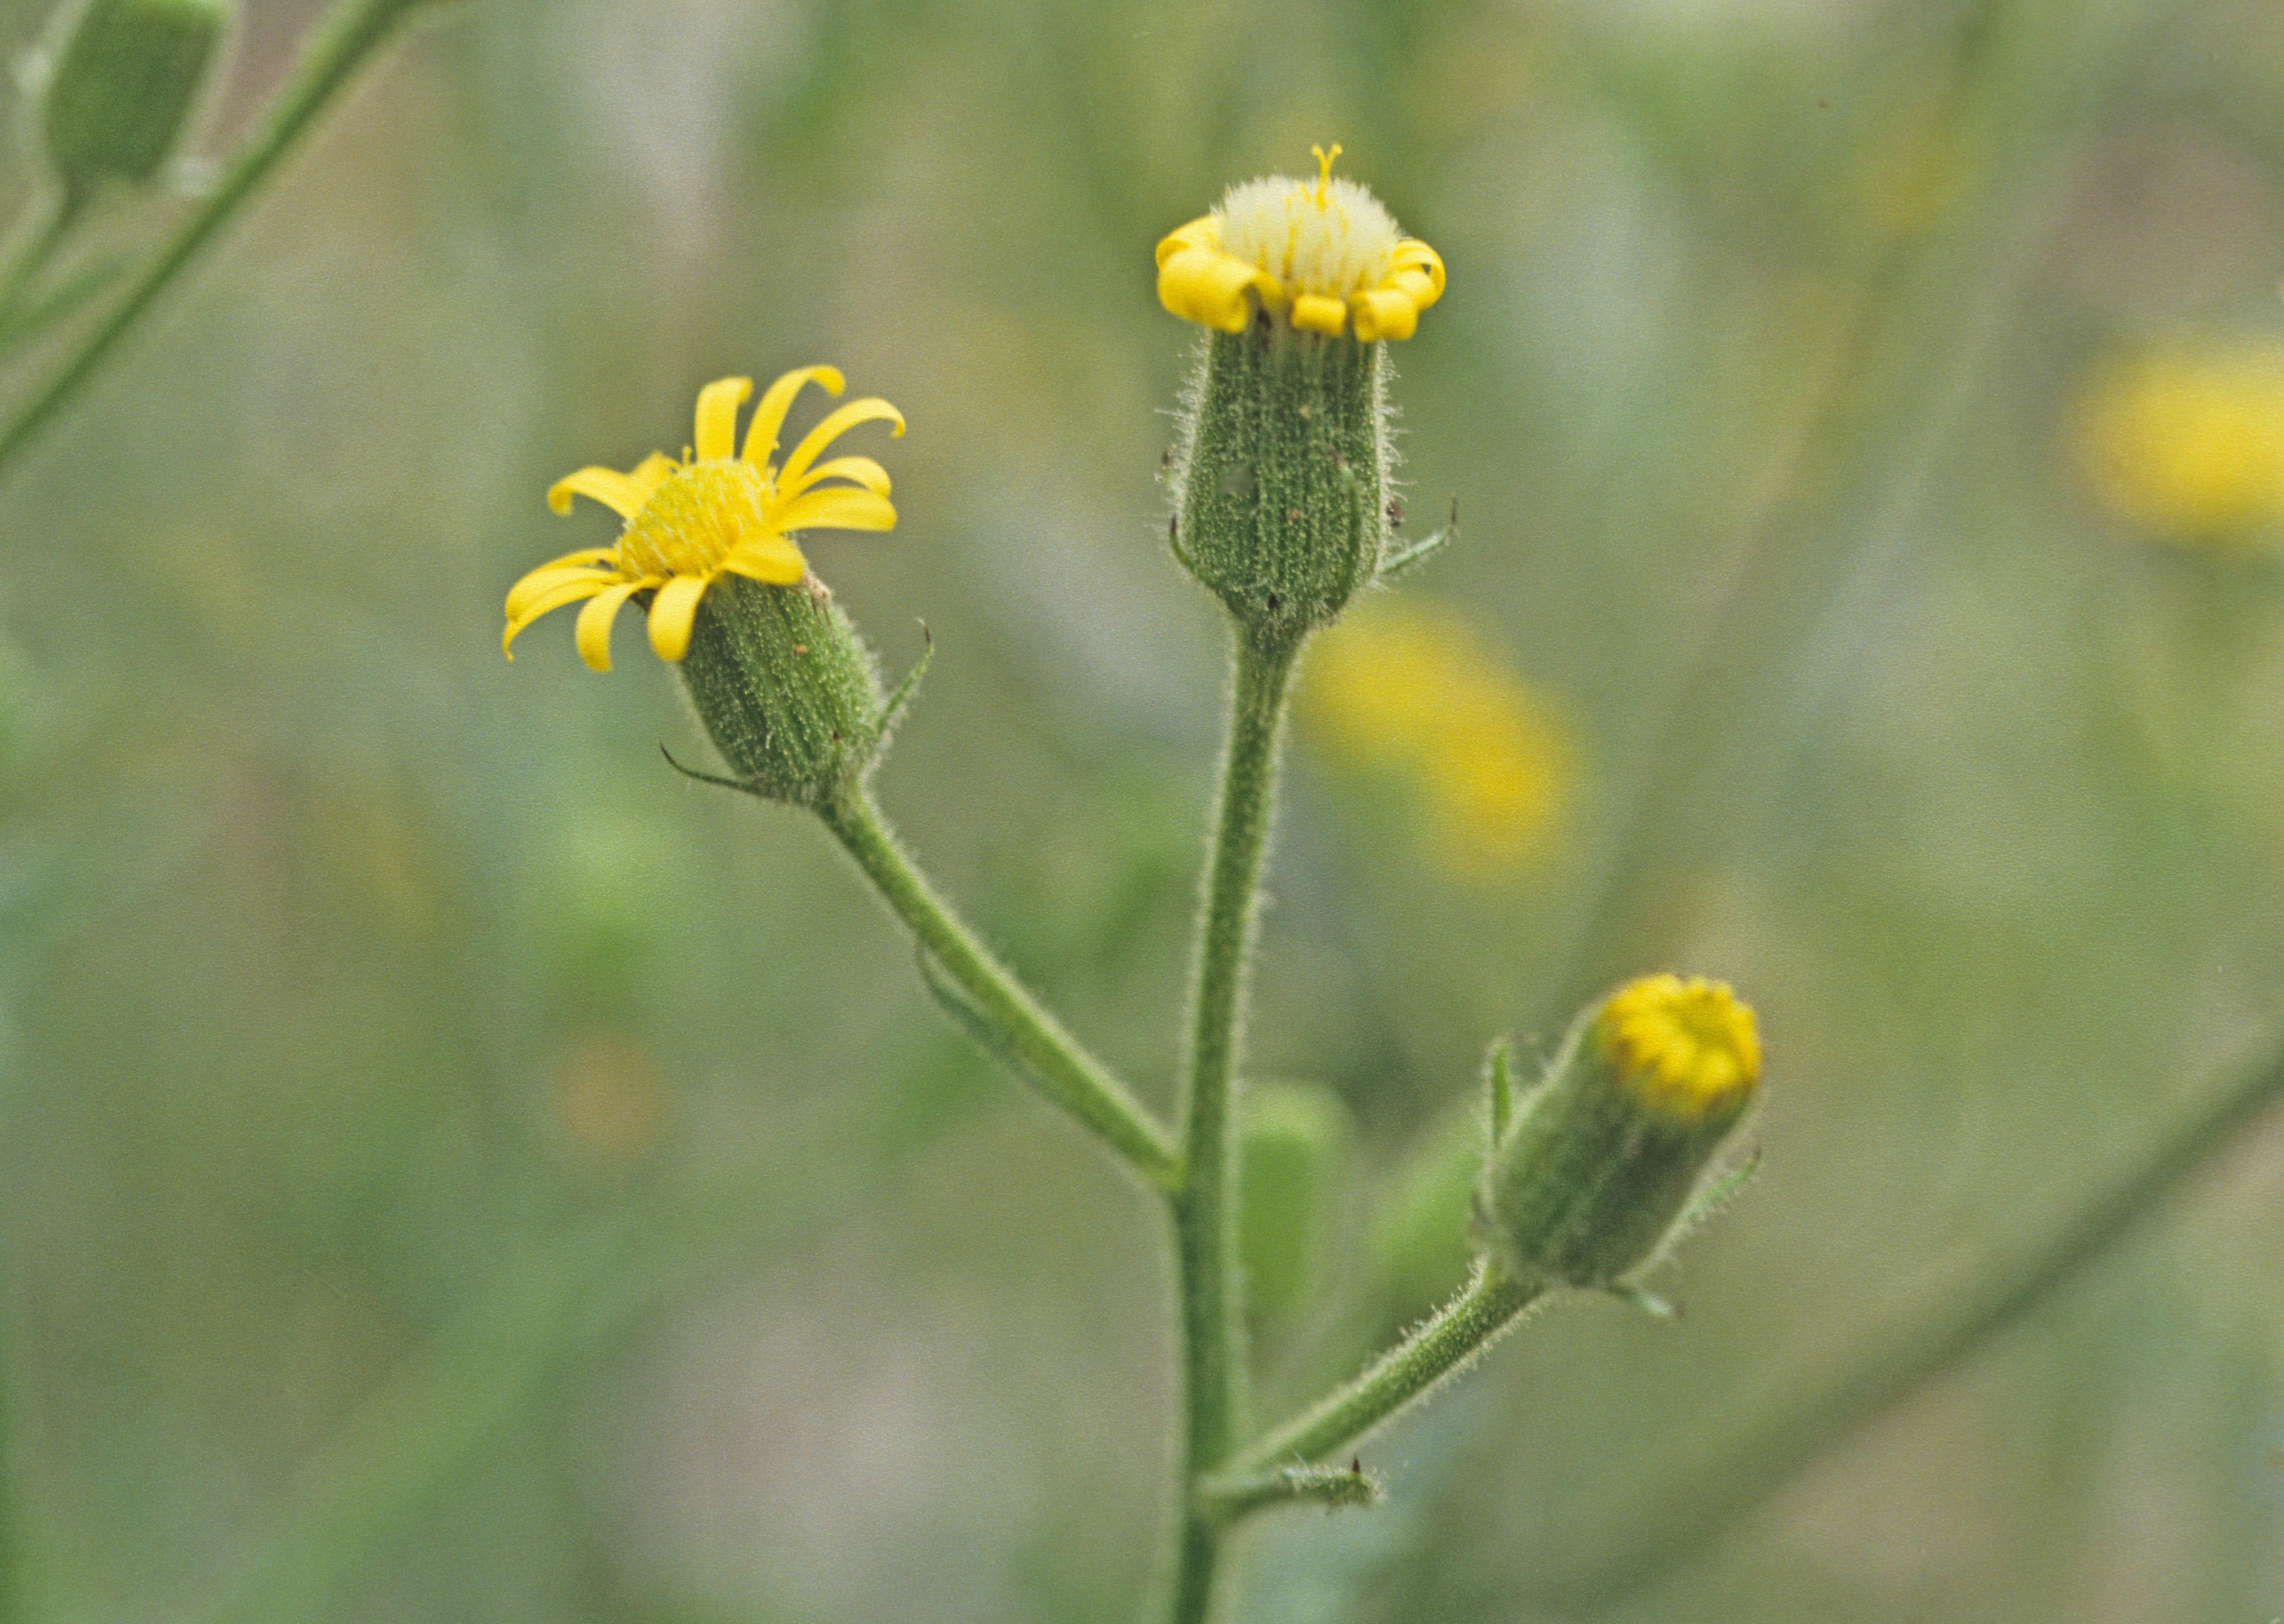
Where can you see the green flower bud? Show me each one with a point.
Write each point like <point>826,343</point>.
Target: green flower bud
<point>786,688</point>
<point>123,85</point>
<point>1296,1147</point>
<point>1282,461</point>
<point>1591,1176</point>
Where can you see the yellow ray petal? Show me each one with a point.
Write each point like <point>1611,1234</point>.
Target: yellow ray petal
<point>1384,313</point>
<point>1317,313</point>
<point>1413,254</point>
<point>584,555</point>
<point>615,490</point>
<point>555,597</point>
<point>652,472</point>
<point>717,416</point>
<point>593,632</point>
<point>772,558</point>
<point>863,470</point>
<point>1206,285</point>
<point>1203,232</point>
<point>670,614</point>
<point>547,577</point>
<point>769,417</point>
<point>837,507</point>
<point>837,422</point>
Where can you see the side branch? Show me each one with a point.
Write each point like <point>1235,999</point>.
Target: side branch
<point>1023,1033</point>
<point>1446,1343</point>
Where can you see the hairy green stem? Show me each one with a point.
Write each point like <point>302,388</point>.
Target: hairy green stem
<point>1232,1499</point>
<point>1444,1344</point>
<point>1877,1370</point>
<point>1053,1058</point>
<point>337,48</point>
<point>1205,1205</point>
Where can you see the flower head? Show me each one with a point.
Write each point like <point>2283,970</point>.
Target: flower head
<point>690,522</point>
<point>1603,1167</point>
<point>1691,1046</point>
<point>1322,254</point>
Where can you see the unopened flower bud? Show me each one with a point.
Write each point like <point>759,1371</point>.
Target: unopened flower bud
<point>1282,465</point>
<point>123,85</point>
<point>1594,1172</point>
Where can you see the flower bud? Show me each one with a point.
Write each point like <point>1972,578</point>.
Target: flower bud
<point>1591,1176</point>
<point>785,688</point>
<point>1283,459</point>
<point>123,85</point>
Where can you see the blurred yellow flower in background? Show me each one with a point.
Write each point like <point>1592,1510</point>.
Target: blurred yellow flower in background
<point>1412,690</point>
<point>2189,445</point>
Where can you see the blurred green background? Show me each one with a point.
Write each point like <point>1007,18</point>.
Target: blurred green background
<point>457,1169</point>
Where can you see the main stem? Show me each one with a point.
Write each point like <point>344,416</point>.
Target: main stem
<point>1205,1203</point>
<point>1050,1055</point>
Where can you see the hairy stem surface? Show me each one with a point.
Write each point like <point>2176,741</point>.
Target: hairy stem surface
<point>1492,1301</point>
<point>1049,1055</point>
<point>1205,1204</point>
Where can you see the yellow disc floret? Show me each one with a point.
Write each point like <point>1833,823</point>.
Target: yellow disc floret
<point>1688,1046</point>
<point>1324,255</point>
<point>716,512</point>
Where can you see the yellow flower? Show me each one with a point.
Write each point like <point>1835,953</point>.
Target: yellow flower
<point>1691,1046</point>
<point>2190,446</point>
<point>688,522</point>
<point>1319,252</point>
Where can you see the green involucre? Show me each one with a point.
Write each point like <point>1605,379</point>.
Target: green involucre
<point>1592,1178</point>
<point>786,690</point>
<point>1281,473</point>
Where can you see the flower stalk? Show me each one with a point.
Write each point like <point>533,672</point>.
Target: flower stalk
<point>1064,1070</point>
<point>1205,1206</point>
<point>1492,1304</point>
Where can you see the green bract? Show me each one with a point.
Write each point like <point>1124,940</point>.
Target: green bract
<point>1281,473</point>
<point>786,688</point>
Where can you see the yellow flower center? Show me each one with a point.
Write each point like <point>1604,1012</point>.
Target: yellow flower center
<point>1691,1045</point>
<point>1326,236</point>
<point>696,519</point>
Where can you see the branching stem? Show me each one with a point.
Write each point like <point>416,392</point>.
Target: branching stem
<point>1470,1323</point>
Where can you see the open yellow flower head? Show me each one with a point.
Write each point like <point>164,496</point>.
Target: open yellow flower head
<point>1324,255</point>
<point>716,512</point>
<point>1689,1046</point>
<point>2190,446</point>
